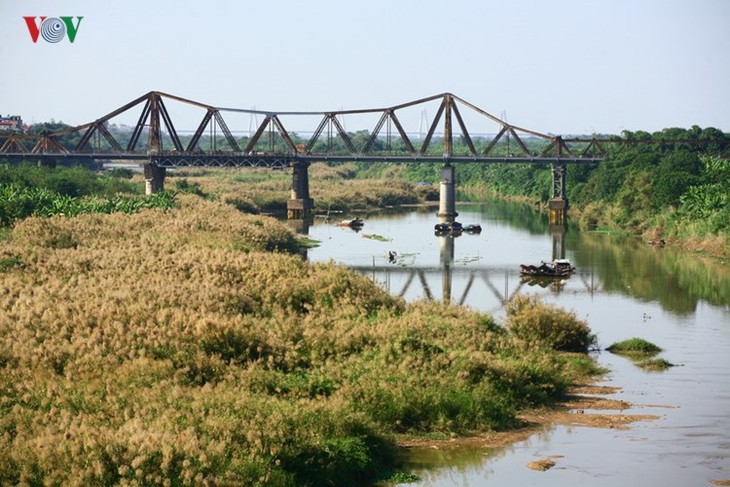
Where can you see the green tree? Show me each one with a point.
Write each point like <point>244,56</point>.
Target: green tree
<point>674,175</point>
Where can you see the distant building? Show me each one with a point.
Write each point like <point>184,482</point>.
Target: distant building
<point>12,123</point>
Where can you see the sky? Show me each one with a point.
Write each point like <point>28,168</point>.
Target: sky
<point>559,66</point>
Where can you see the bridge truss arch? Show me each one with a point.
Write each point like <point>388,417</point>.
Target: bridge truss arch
<point>458,131</point>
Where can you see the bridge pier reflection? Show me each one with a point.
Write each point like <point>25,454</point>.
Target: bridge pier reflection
<point>557,234</point>
<point>487,287</point>
<point>446,247</point>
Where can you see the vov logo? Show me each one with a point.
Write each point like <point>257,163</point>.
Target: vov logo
<point>53,29</point>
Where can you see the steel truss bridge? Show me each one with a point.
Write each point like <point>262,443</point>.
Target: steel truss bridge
<point>466,133</point>
<point>155,138</point>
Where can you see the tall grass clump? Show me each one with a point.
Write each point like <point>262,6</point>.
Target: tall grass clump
<point>541,324</point>
<point>186,346</point>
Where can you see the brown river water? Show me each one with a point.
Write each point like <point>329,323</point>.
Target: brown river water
<point>624,288</point>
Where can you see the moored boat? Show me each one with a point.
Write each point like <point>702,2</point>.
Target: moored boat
<point>557,268</point>
<point>453,228</point>
<point>564,264</point>
<point>352,223</point>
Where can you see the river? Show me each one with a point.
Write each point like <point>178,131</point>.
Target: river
<point>623,288</point>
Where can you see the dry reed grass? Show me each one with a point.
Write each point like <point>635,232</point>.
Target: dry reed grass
<point>173,347</point>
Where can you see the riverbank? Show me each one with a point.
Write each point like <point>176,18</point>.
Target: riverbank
<point>183,345</point>
<point>339,189</point>
<point>656,231</point>
<point>585,406</point>
<point>660,230</point>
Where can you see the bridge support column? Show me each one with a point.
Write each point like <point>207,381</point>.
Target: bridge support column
<point>558,204</point>
<point>154,178</point>
<point>300,205</point>
<point>558,208</point>
<point>447,193</point>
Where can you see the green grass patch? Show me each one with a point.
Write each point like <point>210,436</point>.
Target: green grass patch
<point>18,202</point>
<point>634,346</point>
<point>378,238</point>
<point>308,243</point>
<point>581,365</point>
<point>7,263</point>
<point>655,365</point>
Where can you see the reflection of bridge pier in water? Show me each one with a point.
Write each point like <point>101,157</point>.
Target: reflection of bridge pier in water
<point>446,247</point>
<point>300,226</point>
<point>486,283</point>
<point>557,235</point>
<point>492,277</point>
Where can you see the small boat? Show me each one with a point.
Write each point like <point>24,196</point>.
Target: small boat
<point>557,268</point>
<point>454,228</point>
<point>473,228</point>
<point>442,228</point>
<point>352,223</point>
<point>564,264</point>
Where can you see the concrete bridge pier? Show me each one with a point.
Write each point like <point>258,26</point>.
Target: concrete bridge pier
<point>447,193</point>
<point>558,204</point>
<point>300,205</point>
<point>154,178</point>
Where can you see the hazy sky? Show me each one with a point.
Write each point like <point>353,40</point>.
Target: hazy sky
<point>559,66</point>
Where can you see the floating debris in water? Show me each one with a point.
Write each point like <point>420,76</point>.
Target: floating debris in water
<point>373,236</point>
<point>542,465</point>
